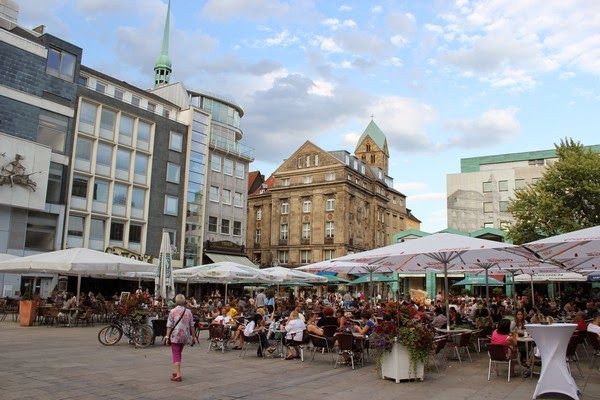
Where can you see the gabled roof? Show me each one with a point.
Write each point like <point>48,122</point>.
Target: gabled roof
<point>376,135</point>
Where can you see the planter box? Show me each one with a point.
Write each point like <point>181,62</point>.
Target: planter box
<point>396,365</point>
<point>27,312</point>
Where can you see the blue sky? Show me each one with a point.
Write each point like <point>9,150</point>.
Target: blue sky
<point>444,80</point>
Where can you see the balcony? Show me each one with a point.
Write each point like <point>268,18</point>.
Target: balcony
<point>231,147</point>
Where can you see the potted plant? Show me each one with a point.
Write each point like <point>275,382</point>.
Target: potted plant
<point>27,307</point>
<point>402,343</point>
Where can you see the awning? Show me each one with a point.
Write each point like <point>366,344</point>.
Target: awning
<point>227,257</point>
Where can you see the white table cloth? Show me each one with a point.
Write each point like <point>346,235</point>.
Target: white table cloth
<point>552,341</point>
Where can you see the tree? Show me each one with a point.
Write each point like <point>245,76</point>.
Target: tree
<point>565,199</point>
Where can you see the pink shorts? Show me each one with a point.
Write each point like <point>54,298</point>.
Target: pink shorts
<point>176,349</point>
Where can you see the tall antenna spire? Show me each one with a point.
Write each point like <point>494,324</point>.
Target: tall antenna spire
<point>162,66</point>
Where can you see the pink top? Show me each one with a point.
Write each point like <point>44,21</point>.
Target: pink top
<point>498,338</point>
<point>182,332</point>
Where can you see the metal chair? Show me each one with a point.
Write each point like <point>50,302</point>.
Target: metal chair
<point>218,336</point>
<point>572,357</point>
<point>251,340</point>
<point>299,344</point>
<point>595,342</point>
<point>484,336</point>
<point>497,357</point>
<point>436,352</point>
<point>320,344</point>
<point>463,343</point>
<point>346,349</point>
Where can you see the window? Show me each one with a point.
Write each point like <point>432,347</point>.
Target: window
<point>55,181</point>
<point>305,256</point>
<point>329,231</point>
<point>126,130</point>
<point>373,159</point>
<point>138,198</point>
<point>214,194</point>
<point>171,205</point>
<point>283,232</point>
<point>100,191</point>
<point>368,147</point>
<point>306,206</point>
<point>97,229</point>
<point>100,87</point>
<point>240,170</point>
<point>120,194</point>
<point>117,230</point>
<point>41,231</point>
<point>285,207</point>
<point>143,135</point>
<point>87,117</point>
<point>140,167</point>
<point>283,256</point>
<point>307,179</point>
<point>237,199</point>
<point>316,160</point>
<point>237,228</point>
<point>257,236</point>
<point>224,226</point>
<point>104,154</point>
<point>119,94</point>
<point>212,224</point>
<point>135,233</point>
<point>175,141</point>
<point>299,162</point>
<point>52,130</point>
<point>328,254</point>
<point>76,226</point>
<point>173,172</point>
<point>228,167</point>
<point>487,187</point>
<point>135,101</point>
<point>488,207</point>
<point>61,64</point>
<point>308,161</point>
<point>488,225</point>
<point>519,184</point>
<point>80,186</point>
<point>107,123</point>
<point>123,159</point>
<point>503,206</point>
<point>215,163</point>
<point>226,196</point>
<point>285,182</point>
<point>330,176</point>
<point>306,230</point>
<point>83,80</point>
<point>503,186</point>
<point>329,204</point>
<point>258,213</point>
<point>151,107</point>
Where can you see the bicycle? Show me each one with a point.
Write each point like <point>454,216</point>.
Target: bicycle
<point>136,329</point>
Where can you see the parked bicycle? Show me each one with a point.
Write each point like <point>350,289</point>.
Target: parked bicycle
<point>136,329</point>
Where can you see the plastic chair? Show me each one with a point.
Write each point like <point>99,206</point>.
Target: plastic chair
<point>498,356</point>
<point>218,336</point>
<point>251,340</point>
<point>320,344</point>
<point>463,343</point>
<point>484,336</point>
<point>299,344</point>
<point>436,352</point>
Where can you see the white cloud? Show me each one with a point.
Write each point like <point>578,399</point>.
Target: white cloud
<point>376,9</point>
<point>490,128</point>
<point>345,7</point>
<point>223,10</point>
<point>282,38</point>
<point>334,24</point>
<point>410,187</point>
<point>322,88</point>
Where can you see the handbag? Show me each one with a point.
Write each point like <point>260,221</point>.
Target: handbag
<point>167,339</point>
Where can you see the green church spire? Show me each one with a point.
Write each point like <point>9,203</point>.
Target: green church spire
<point>162,67</point>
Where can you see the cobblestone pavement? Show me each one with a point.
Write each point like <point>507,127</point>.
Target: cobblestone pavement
<point>44,362</point>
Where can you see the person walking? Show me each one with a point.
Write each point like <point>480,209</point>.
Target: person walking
<point>180,331</point>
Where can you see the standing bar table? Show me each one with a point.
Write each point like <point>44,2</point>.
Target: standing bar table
<point>552,341</point>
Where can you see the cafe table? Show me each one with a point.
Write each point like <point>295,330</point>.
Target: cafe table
<point>552,341</point>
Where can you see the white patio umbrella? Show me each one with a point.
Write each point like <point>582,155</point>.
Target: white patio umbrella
<point>440,251</point>
<point>576,250</point>
<point>225,272</point>
<point>164,285</point>
<point>75,262</point>
<point>288,275</point>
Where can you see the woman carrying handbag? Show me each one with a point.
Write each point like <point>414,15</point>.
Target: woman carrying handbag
<point>180,331</point>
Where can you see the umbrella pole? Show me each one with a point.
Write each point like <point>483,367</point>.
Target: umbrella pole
<point>225,293</point>
<point>371,286</point>
<point>532,293</point>
<point>487,287</point>
<point>78,287</point>
<point>447,295</point>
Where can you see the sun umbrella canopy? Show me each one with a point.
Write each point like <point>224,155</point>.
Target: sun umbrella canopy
<point>479,280</point>
<point>225,272</point>
<point>335,280</point>
<point>293,275</point>
<point>367,278</point>
<point>551,277</point>
<point>575,250</point>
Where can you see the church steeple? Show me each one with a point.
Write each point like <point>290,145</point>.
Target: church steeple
<point>372,147</point>
<point>162,66</point>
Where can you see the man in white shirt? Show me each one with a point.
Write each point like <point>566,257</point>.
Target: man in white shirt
<point>261,299</point>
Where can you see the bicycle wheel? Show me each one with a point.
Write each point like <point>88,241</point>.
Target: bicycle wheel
<point>142,335</point>
<point>110,335</point>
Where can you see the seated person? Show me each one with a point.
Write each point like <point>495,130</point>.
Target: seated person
<point>341,319</point>
<point>368,324</point>
<point>295,329</point>
<point>501,335</point>
<point>439,320</point>
<point>580,321</point>
<point>223,318</point>
<point>594,326</point>
<point>256,327</point>
<point>328,318</point>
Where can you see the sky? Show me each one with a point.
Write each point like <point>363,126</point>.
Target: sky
<point>444,80</point>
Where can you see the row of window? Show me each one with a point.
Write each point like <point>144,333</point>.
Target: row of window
<point>503,185</point>
<point>226,227</point>
<point>226,165</point>
<point>488,207</point>
<point>283,256</point>
<point>98,230</point>
<point>305,232</point>
<point>224,196</point>
<point>306,207</point>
